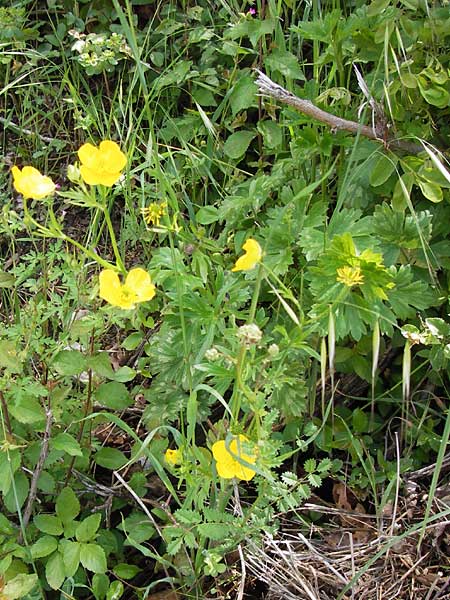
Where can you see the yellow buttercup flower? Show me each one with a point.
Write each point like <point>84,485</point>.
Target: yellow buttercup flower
<point>102,165</point>
<point>251,258</point>
<point>138,287</point>
<point>227,465</point>
<point>173,457</point>
<point>153,213</point>
<point>350,276</point>
<point>31,184</point>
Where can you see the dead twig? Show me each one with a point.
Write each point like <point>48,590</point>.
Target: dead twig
<point>38,469</point>
<point>267,87</point>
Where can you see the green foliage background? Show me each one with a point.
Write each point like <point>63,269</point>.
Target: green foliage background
<point>174,84</point>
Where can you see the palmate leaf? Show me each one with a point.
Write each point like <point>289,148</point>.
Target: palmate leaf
<point>407,296</point>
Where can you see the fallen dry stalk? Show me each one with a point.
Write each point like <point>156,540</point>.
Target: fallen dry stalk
<point>269,88</point>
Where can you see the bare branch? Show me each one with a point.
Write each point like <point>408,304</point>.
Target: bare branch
<point>271,89</point>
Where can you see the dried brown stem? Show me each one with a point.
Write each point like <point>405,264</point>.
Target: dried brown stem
<point>38,469</point>
<point>269,88</point>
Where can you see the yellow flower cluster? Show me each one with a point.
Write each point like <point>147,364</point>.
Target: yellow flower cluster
<point>350,276</point>
<point>102,165</point>
<point>153,213</point>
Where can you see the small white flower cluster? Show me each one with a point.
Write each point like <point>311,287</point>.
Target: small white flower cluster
<point>99,52</point>
<point>249,335</point>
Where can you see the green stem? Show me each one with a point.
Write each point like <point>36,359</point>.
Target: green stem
<point>112,235</point>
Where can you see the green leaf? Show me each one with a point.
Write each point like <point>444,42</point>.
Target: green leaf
<point>67,505</point>
<point>54,570</point>
<point>310,465</point>
<point>431,191</point>
<point>27,410</point>
<point>100,585</point>
<point>101,365</point>
<point>17,493</point>
<point>382,170</point>
<point>6,527</point>
<point>7,280</point>
<point>137,527</point>
<point>207,215</point>
<point>110,458</point>
<point>48,524</point>
<point>314,480</point>
<point>9,357</point>
<point>360,421</point>
<point>238,143</point>
<point>67,443</point>
<point>243,94</point>
<point>285,63</point>
<point>93,558</point>
<point>126,571</point>
<point>132,341</point>
<point>215,531</point>
<point>116,589</point>
<point>124,374</point>
<point>71,555</point>
<point>19,586</point>
<point>271,132</point>
<point>44,546</point>
<point>69,362</point>
<point>113,395</point>
<point>87,529</point>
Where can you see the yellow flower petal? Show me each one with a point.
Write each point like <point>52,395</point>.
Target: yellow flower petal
<point>229,467</point>
<point>31,184</point>
<point>88,155</point>
<point>110,287</point>
<point>137,288</point>
<point>102,165</point>
<point>251,258</point>
<point>173,457</point>
<point>140,282</point>
<point>113,157</point>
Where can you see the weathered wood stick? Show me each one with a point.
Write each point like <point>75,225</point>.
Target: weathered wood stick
<point>267,87</point>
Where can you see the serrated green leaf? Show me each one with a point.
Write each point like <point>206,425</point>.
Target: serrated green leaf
<point>101,365</point>
<point>243,95</point>
<point>310,465</point>
<point>314,480</point>
<point>7,280</point>
<point>69,362</point>
<point>44,546</point>
<point>19,586</point>
<point>132,341</point>
<point>100,585</point>
<point>67,505</point>
<point>214,531</point>
<point>87,529</point>
<point>71,556</point>
<point>48,524</point>
<point>27,410</point>
<point>9,356</point>
<point>54,571</point>
<point>93,558</point>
